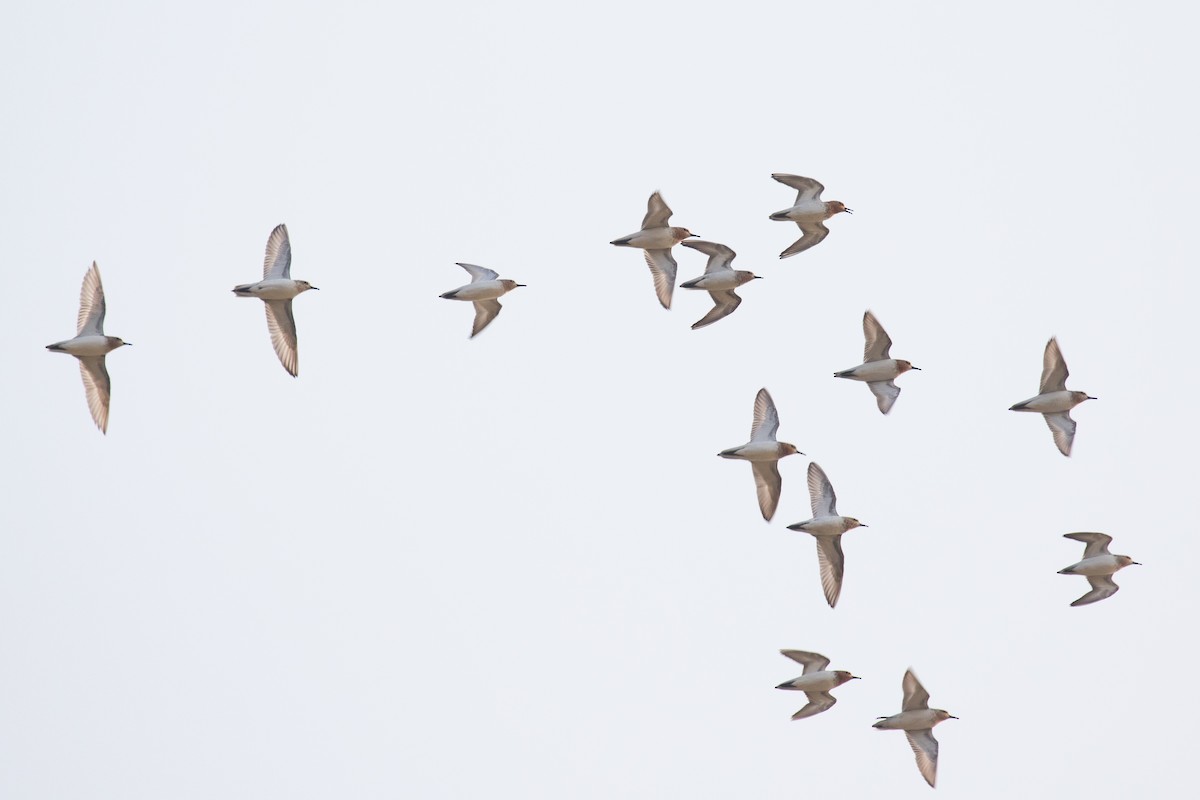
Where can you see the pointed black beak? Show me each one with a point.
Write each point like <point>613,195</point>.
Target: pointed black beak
<point>1089,397</point>
<point>951,716</point>
<point>1140,564</point>
<point>918,369</point>
<point>315,288</point>
<point>849,210</point>
<point>129,344</point>
<point>521,285</point>
<point>758,277</point>
<point>855,678</point>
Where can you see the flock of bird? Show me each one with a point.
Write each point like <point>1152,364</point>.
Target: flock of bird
<point>656,238</point>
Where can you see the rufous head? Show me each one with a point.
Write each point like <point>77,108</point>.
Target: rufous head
<point>1079,397</point>
<point>905,366</point>
<point>1125,561</point>
<point>510,285</point>
<point>941,716</point>
<point>835,207</point>
<point>843,676</point>
<point>680,234</point>
<point>788,450</point>
<point>852,523</point>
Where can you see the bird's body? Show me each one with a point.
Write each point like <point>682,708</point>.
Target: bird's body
<point>816,682</point>
<point>1054,401</point>
<point>485,286</point>
<point>763,452</point>
<point>809,212</point>
<point>90,346</point>
<point>917,720</point>
<point>878,369</point>
<point>719,280</point>
<point>657,238</point>
<point>277,290</point>
<point>274,289</point>
<point>1098,566</point>
<point>828,526</point>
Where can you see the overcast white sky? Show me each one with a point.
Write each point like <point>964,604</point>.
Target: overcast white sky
<point>514,567</point>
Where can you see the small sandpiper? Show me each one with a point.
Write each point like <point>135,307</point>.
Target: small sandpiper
<point>656,238</point>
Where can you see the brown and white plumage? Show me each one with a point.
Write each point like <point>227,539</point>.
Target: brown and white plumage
<point>878,370</point>
<point>719,280</point>
<point>816,682</point>
<point>809,212</point>
<point>91,345</point>
<point>763,452</point>
<point>485,288</point>
<point>1098,566</point>
<point>827,526</point>
<point>917,720</point>
<point>656,239</point>
<point>1054,401</point>
<point>276,290</point>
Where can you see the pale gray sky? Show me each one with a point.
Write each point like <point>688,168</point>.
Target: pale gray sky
<point>514,566</point>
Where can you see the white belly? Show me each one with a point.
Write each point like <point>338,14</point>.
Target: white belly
<point>86,346</point>
<point>1096,565</point>
<point>757,451</point>
<point>653,239</point>
<point>275,289</point>
<point>720,281</point>
<point>482,290</point>
<point>812,211</point>
<point>824,526</point>
<point>884,370</point>
<point>817,682</point>
<point>1050,403</point>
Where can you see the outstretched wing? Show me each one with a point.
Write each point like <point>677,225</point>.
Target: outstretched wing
<point>97,387</point>
<point>769,484</point>
<point>833,566</point>
<point>1054,369</point>
<point>657,213</point>
<point>820,492</point>
<point>814,234</point>
<point>879,344</point>
<point>91,305</point>
<point>485,312</point>
<point>662,269</point>
<point>817,702</point>
<point>925,748</point>
<point>1096,543</point>
<point>1063,428</point>
<point>808,188</point>
<point>766,418</point>
<point>813,662</point>
<point>282,326</point>
<point>1102,586</point>
<point>719,256</point>
<point>885,393</point>
<point>915,696</point>
<point>479,273</point>
<point>724,303</point>
<point>278,261</point>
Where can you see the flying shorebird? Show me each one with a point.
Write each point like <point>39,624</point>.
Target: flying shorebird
<point>1053,401</point>
<point>809,212</point>
<point>878,369</point>
<point>763,452</point>
<point>1098,566</point>
<point>483,290</point>
<point>719,280</point>
<point>657,239</point>
<point>90,345</point>
<point>917,721</point>
<point>815,682</point>
<point>276,290</point>
<point>827,526</point>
